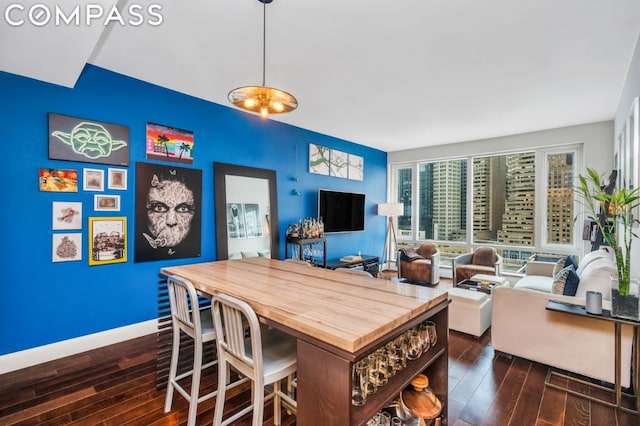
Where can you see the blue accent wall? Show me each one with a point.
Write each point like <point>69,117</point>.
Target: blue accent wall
<point>43,302</point>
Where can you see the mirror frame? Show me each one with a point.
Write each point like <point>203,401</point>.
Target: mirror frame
<point>220,173</point>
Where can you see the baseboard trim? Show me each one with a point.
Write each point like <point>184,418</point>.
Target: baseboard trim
<point>29,357</point>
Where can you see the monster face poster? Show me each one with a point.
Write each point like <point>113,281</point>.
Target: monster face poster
<point>88,141</point>
<point>168,212</point>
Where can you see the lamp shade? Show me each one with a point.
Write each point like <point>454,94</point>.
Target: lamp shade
<point>390,209</point>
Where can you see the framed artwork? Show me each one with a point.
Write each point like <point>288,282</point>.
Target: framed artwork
<point>235,221</point>
<point>58,180</point>
<point>356,167</point>
<point>169,144</point>
<point>117,179</point>
<point>325,161</point>
<point>67,247</point>
<point>107,240</point>
<point>318,159</point>
<point>106,203</point>
<point>93,180</point>
<point>252,220</point>
<point>633,150</point>
<point>339,162</point>
<point>621,147</point>
<point>66,215</point>
<point>88,141</point>
<point>168,212</point>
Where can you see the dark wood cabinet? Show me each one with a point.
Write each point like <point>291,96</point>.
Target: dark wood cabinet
<point>329,376</point>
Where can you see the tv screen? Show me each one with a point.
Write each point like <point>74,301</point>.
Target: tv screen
<point>341,211</point>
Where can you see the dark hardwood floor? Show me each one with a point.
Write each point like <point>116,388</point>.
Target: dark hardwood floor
<point>115,385</point>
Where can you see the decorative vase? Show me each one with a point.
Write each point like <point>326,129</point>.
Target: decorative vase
<point>627,306</point>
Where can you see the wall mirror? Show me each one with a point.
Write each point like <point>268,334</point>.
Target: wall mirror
<point>246,212</point>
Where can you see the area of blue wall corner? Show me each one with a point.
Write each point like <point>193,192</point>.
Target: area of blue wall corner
<point>43,302</point>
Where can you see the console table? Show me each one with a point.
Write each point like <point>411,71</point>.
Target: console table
<point>618,322</point>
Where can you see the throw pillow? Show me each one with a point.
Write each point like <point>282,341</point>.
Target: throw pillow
<point>563,263</point>
<point>566,282</point>
<point>590,257</point>
<point>597,277</point>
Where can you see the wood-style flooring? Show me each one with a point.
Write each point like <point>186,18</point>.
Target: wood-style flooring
<point>115,385</point>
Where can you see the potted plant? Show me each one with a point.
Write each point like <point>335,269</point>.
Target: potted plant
<point>612,210</point>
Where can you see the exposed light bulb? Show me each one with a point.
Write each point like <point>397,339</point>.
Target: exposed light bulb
<point>250,102</point>
<point>264,112</point>
<point>277,106</point>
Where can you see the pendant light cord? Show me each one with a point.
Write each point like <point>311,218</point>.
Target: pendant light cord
<point>264,40</point>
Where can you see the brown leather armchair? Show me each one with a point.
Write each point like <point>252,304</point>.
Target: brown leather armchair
<point>484,260</point>
<point>420,265</point>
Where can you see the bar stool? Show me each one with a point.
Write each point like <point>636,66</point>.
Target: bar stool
<point>195,322</point>
<point>355,272</point>
<point>265,357</point>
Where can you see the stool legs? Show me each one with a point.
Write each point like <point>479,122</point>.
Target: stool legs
<point>195,385</point>
<point>173,368</point>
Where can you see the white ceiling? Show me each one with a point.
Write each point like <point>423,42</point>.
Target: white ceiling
<point>392,74</point>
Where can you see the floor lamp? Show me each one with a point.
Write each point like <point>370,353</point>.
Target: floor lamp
<point>390,242</point>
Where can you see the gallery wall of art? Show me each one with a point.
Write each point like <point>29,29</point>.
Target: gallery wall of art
<point>113,179</point>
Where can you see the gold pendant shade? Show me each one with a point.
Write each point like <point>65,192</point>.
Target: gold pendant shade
<point>262,99</point>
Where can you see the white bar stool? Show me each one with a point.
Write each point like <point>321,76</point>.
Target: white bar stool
<point>265,357</point>
<point>188,318</point>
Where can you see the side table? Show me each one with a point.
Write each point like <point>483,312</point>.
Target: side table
<point>307,249</point>
<point>570,309</point>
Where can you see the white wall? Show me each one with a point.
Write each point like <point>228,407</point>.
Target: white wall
<point>597,139</point>
<point>630,90</point>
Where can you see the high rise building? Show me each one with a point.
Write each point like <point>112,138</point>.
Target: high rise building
<point>517,219</point>
<point>560,199</point>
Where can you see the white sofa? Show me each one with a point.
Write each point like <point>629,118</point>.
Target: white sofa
<point>522,326</point>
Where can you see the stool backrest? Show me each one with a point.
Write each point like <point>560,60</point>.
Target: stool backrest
<point>230,317</point>
<point>183,299</point>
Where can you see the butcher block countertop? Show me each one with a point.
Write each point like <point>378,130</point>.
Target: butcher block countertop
<point>346,311</point>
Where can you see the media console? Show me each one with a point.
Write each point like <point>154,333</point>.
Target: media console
<point>368,263</point>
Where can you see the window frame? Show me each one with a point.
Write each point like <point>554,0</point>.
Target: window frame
<point>540,231</point>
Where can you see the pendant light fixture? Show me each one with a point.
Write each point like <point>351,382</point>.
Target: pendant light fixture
<point>262,99</point>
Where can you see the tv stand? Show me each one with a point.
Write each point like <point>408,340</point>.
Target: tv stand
<point>368,263</point>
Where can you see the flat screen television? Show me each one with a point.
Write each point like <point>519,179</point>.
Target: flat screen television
<point>341,211</point>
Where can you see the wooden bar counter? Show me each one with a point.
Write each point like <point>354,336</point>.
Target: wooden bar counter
<point>337,318</point>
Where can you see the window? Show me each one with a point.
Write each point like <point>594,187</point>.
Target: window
<point>404,194</point>
<point>521,203</point>
<point>504,198</point>
<point>560,172</point>
<point>442,201</point>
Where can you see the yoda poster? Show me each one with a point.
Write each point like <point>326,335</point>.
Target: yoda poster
<point>88,141</point>
<point>168,212</point>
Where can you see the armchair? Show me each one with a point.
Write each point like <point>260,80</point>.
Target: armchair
<point>484,260</point>
<point>421,265</point>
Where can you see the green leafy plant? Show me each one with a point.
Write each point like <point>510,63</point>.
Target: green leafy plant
<point>617,208</point>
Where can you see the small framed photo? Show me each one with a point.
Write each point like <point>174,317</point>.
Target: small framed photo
<point>93,180</point>
<point>106,203</point>
<point>67,247</point>
<point>107,240</point>
<point>66,215</point>
<point>117,179</point>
